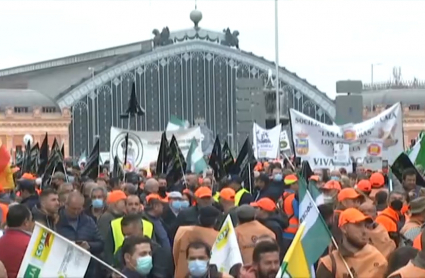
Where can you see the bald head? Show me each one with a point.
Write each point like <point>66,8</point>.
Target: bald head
<point>369,209</point>
<point>88,187</point>
<point>74,205</point>
<point>151,186</point>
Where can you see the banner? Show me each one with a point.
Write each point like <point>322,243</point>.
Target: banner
<point>49,255</point>
<point>380,137</point>
<point>266,142</point>
<point>284,141</point>
<point>143,146</point>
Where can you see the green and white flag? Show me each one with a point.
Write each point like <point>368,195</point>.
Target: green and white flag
<point>195,161</point>
<point>417,152</point>
<point>175,124</point>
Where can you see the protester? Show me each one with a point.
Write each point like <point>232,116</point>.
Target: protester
<point>133,205</point>
<point>377,181</point>
<point>28,193</point>
<point>47,211</point>
<point>98,203</point>
<point>291,209</point>
<point>137,254</point>
<point>227,202</point>
<point>242,196</point>
<point>175,201</point>
<point>330,191</point>
<point>14,242</point>
<point>413,225</point>
<point>400,258</point>
<point>410,186</point>
<point>265,261</point>
<point>116,209</point>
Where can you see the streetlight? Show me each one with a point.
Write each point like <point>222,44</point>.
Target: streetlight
<point>276,28</point>
<point>93,113</point>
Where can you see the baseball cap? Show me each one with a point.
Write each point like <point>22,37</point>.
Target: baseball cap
<point>27,185</point>
<point>115,196</point>
<point>235,179</point>
<point>227,194</point>
<point>364,185</point>
<point>377,180</point>
<point>348,193</point>
<point>203,192</point>
<point>290,179</point>
<point>353,216</point>
<point>28,176</point>
<point>175,195</point>
<point>152,196</point>
<point>266,204</point>
<point>332,184</point>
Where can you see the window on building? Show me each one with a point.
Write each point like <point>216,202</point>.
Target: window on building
<point>49,109</point>
<point>414,107</point>
<point>21,109</point>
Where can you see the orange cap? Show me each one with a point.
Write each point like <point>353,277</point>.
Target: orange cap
<point>290,179</point>
<point>332,184</point>
<point>364,185</point>
<point>266,204</point>
<point>116,196</point>
<point>203,192</point>
<point>352,215</point>
<point>314,178</point>
<point>28,176</point>
<point>377,180</point>
<point>227,194</point>
<point>348,193</point>
<point>152,196</point>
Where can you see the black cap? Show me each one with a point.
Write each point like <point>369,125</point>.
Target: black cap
<point>27,185</point>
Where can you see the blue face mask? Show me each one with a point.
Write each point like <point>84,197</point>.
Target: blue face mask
<point>277,177</point>
<point>97,203</point>
<point>144,265</point>
<point>335,178</point>
<point>184,204</point>
<point>176,205</point>
<point>198,268</point>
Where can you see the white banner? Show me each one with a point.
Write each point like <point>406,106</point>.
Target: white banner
<point>380,137</point>
<point>266,142</point>
<point>144,145</point>
<point>284,141</point>
<point>49,255</point>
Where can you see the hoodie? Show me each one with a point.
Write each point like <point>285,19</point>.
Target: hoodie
<point>277,223</point>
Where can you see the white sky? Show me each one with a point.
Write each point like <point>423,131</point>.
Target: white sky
<point>322,41</point>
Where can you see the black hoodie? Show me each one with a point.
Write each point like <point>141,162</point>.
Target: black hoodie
<point>277,223</point>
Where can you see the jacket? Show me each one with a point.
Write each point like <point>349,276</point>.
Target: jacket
<point>380,239</point>
<point>86,231</point>
<point>169,218</point>
<point>40,216</point>
<point>31,201</point>
<point>184,236</point>
<point>277,223</point>
<point>15,241</point>
<point>247,235</point>
<point>104,222</point>
<point>274,191</point>
<point>134,274</point>
<point>368,262</point>
<point>186,217</point>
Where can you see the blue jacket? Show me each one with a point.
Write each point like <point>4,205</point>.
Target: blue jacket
<point>86,231</point>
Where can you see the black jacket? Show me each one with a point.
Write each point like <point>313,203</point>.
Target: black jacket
<point>31,201</point>
<point>187,217</point>
<point>274,191</point>
<point>246,199</point>
<point>277,223</point>
<point>42,218</point>
<point>169,218</point>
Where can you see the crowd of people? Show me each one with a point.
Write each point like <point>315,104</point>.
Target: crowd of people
<point>147,228</point>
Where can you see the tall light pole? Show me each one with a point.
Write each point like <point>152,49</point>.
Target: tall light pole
<point>276,37</point>
<point>371,81</point>
<point>93,113</point>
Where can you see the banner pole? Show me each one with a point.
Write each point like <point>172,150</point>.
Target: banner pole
<point>81,249</point>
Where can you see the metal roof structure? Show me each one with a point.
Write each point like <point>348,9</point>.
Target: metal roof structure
<point>24,98</point>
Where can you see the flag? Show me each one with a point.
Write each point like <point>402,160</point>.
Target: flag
<point>417,152</point>
<point>26,163</point>
<point>6,175</point>
<point>163,156</point>
<point>195,158</point>
<point>245,164</point>
<point>315,237</point>
<point>51,255</point>
<point>175,124</point>
<point>400,164</point>
<point>225,252</point>
<point>55,146</point>
<point>126,150</point>
<point>227,158</point>
<point>177,164</point>
<point>295,264</point>
<point>306,171</point>
<point>63,150</point>
<point>215,161</point>
<point>43,156</point>
<point>91,169</point>
<point>134,108</point>
<point>82,159</point>
<point>117,171</point>
<point>35,159</point>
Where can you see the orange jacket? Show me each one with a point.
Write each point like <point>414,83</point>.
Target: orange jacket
<point>288,209</point>
<point>388,218</point>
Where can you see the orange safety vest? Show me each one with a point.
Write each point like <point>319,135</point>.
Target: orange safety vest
<point>417,242</point>
<point>4,209</point>
<point>288,198</point>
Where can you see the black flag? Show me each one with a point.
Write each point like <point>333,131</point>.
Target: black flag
<point>63,150</point>
<point>227,158</point>
<point>55,146</point>
<point>245,164</point>
<point>44,156</point>
<point>35,159</point>
<point>163,156</point>
<point>126,150</point>
<point>54,164</point>
<point>306,171</point>
<point>177,164</point>
<point>215,161</point>
<point>402,163</point>
<point>134,107</point>
<point>26,164</point>
<point>117,171</point>
<point>91,168</point>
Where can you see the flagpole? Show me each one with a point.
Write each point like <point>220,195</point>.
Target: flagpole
<point>249,177</point>
<point>277,60</point>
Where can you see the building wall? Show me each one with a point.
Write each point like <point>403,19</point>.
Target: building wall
<point>13,128</point>
<point>413,121</point>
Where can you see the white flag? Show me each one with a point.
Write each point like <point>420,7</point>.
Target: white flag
<point>266,142</point>
<point>50,255</point>
<point>225,251</point>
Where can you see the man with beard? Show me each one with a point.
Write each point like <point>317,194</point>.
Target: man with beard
<point>266,262</point>
<point>362,259</point>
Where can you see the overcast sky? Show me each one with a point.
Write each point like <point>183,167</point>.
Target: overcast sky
<point>322,41</point>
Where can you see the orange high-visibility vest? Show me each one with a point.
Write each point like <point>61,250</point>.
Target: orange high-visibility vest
<point>288,198</point>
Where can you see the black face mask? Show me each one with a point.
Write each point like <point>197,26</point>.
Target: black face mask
<point>396,205</point>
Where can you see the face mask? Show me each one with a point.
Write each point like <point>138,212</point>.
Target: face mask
<point>277,177</point>
<point>184,204</point>
<point>397,205</point>
<point>198,268</point>
<point>97,203</point>
<point>176,205</point>
<point>335,178</point>
<point>144,265</point>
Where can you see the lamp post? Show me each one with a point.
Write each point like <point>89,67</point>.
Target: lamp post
<point>371,81</point>
<point>276,28</point>
<point>93,114</point>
